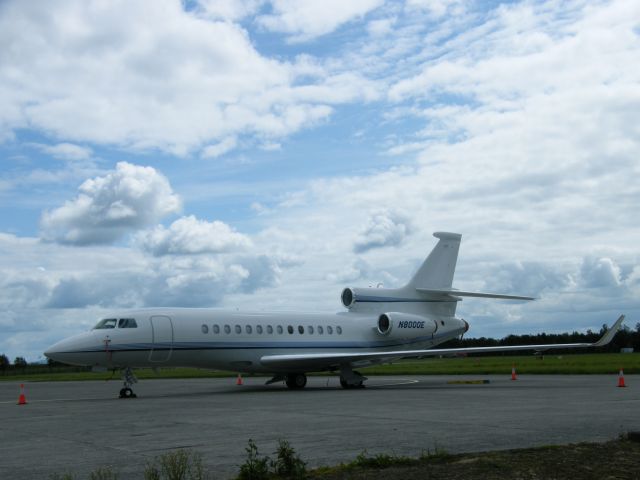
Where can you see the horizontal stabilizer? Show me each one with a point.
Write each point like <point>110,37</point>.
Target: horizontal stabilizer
<point>462,293</point>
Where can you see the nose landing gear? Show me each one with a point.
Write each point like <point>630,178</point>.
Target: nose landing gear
<point>129,379</point>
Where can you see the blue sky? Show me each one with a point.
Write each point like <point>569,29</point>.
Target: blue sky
<point>265,154</point>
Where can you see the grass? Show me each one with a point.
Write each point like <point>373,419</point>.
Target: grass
<point>614,459</point>
<point>589,363</point>
<point>618,459</point>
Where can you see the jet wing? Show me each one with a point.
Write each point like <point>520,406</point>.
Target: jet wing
<point>314,361</point>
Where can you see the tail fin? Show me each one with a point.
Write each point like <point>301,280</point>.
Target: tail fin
<point>437,270</point>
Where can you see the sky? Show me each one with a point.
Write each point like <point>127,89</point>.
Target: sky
<point>264,154</point>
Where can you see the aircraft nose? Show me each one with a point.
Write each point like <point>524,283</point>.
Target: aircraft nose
<point>53,351</point>
<point>60,351</point>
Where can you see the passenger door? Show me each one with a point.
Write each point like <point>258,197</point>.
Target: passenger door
<point>162,333</point>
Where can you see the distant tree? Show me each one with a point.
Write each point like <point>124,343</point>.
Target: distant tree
<point>20,362</point>
<point>4,362</point>
<point>624,338</point>
<point>52,363</point>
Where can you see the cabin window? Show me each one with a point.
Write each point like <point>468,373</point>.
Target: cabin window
<point>127,323</point>
<point>310,329</point>
<point>216,329</point>
<point>320,330</point>
<point>269,329</point>
<point>259,329</point>
<point>106,323</point>
<point>238,329</point>
<point>329,329</point>
<point>248,329</point>
<point>227,329</point>
<point>279,329</point>
<point>339,330</point>
<point>290,330</point>
<point>205,328</point>
<point>300,329</point>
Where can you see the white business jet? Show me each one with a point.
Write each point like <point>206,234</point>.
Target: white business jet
<point>380,325</point>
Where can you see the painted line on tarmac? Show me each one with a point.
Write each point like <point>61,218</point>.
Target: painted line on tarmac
<point>56,400</point>
<point>468,382</point>
<point>405,381</point>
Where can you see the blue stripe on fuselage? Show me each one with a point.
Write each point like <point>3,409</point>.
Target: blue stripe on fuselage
<point>239,345</point>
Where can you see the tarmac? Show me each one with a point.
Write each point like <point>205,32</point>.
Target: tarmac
<point>76,427</point>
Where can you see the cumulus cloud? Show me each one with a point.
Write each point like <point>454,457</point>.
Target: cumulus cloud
<point>213,151</point>
<point>166,78</point>
<point>67,151</point>
<point>188,235</point>
<point>52,276</point>
<point>527,278</point>
<point>385,228</point>
<point>308,19</point>
<point>600,272</point>
<point>108,207</point>
<point>231,10</point>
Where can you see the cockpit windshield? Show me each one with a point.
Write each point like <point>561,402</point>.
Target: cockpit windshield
<point>114,322</point>
<point>106,323</point>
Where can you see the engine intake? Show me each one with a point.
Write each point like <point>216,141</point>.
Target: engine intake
<point>348,297</point>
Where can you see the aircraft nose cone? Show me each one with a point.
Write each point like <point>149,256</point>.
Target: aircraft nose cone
<point>52,351</point>
<point>58,350</point>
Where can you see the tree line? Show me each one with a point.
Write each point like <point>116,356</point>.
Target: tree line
<point>19,362</point>
<point>625,338</point>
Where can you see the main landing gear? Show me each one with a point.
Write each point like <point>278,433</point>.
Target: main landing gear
<point>129,379</point>
<point>296,381</point>
<point>350,378</point>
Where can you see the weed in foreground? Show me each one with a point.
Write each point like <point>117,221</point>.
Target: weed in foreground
<point>381,460</point>
<point>438,454</point>
<point>288,464</point>
<point>103,473</point>
<point>178,465</point>
<point>255,467</point>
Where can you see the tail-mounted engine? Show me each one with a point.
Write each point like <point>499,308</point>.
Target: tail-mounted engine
<point>399,325</point>
<point>357,298</point>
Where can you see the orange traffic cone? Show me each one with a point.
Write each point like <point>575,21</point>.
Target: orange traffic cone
<point>22,400</point>
<point>621,379</point>
<point>513,372</point>
<point>239,380</point>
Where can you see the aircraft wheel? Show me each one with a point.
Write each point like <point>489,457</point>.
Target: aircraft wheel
<point>344,384</point>
<point>296,380</point>
<point>127,393</point>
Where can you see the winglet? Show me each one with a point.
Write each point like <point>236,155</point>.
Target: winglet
<point>610,333</point>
